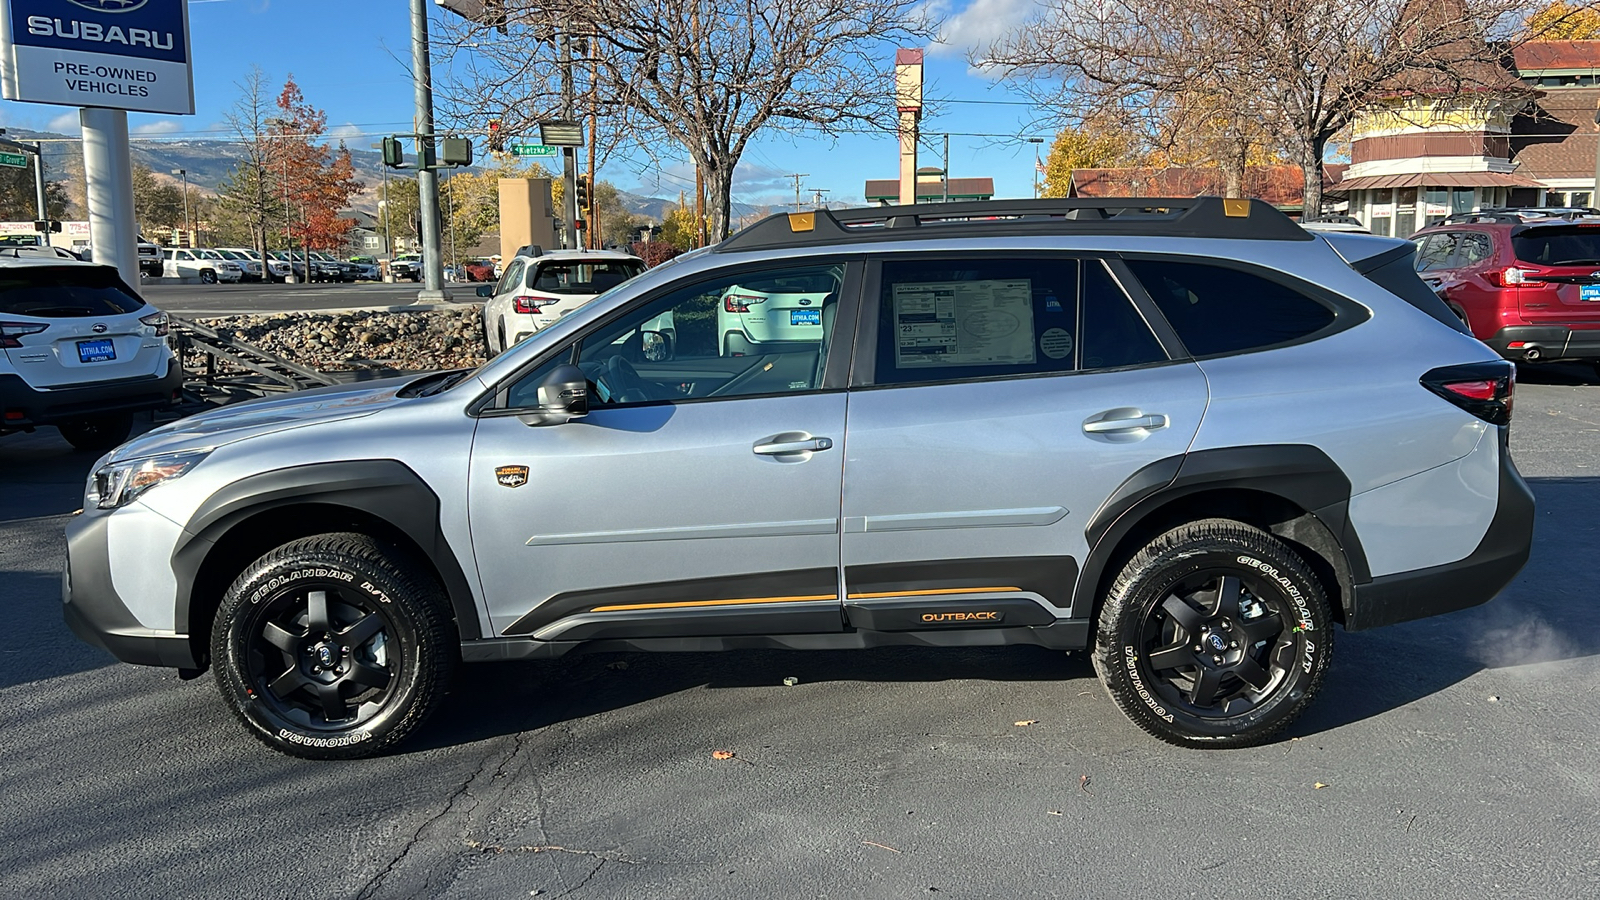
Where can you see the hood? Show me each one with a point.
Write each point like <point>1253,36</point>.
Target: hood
<point>257,417</point>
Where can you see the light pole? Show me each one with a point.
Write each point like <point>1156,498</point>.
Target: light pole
<point>1036,141</point>
<point>185,174</point>
<point>388,248</point>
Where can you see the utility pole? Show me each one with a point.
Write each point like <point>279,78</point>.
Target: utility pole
<point>816,195</point>
<point>427,176</point>
<point>569,155</point>
<point>699,207</point>
<point>594,132</point>
<point>797,176</point>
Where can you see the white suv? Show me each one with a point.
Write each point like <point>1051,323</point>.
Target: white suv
<point>536,290</point>
<point>771,312</point>
<point>79,350</point>
<point>207,265</point>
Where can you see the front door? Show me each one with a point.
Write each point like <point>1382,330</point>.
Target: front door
<point>699,497</point>
<point>1009,397</point>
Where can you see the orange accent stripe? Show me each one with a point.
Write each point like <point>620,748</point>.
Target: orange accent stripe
<point>981,590</point>
<point>691,603</point>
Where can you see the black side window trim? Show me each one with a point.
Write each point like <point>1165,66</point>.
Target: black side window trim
<point>492,402</point>
<point>865,360</point>
<point>1347,313</point>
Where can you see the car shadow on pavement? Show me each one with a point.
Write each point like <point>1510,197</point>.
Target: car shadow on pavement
<point>1540,618</point>
<point>38,643</point>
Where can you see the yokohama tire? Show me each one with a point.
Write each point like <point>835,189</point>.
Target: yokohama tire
<point>333,647</point>
<point>1215,634</point>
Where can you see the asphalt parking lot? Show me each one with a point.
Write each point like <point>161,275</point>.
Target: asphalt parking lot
<point>1457,756</point>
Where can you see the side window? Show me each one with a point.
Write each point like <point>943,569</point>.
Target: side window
<point>1216,309</point>
<point>1434,252</point>
<point>1114,334</point>
<point>509,278</point>
<point>1475,248</point>
<point>740,335</point>
<point>957,319</point>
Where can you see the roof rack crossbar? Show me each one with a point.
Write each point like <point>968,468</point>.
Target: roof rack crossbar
<point>1199,217</point>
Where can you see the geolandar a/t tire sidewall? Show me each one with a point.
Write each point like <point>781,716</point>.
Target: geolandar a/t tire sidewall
<point>1267,566</point>
<point>357,566</point>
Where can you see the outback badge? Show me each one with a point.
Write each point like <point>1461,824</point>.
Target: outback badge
<point>511,476</point>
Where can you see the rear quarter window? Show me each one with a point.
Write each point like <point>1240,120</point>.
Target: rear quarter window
<point>1217,309</point>
<point>62,292</point>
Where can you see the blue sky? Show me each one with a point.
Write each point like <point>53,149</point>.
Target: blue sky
<point>355,65</point>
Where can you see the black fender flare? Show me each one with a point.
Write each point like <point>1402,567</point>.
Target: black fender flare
<point>383,488</point>
<point>1299,473</point>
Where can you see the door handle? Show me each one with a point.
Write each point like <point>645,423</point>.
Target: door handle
<point>773,447</point>
<point>1114,426</point>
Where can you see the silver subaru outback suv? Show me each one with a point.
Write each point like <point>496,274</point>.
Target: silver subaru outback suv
<point>1188,437</point>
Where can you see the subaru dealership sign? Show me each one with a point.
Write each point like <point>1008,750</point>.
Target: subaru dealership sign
<point>118,54</point>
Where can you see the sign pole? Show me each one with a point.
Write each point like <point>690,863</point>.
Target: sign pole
<point>107,166</point>
<point>38,187</point>
<point>427,177</point>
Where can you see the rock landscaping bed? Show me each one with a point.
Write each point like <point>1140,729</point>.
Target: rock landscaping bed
<point>408,341</point>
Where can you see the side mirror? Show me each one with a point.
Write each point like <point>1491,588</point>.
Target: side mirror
<point>485,290</point>
<point>563,396</point>
<point>657,346</point>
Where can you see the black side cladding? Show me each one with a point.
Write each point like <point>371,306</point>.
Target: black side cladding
<point>1395,271</point>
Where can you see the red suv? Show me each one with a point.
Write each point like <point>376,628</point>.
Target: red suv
<point>1528,288</point>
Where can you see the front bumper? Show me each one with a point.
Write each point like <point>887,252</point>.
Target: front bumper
<point>1553,342</point>
<point>97,615</point>
<point>1465,583</point>
<point>47,407</point>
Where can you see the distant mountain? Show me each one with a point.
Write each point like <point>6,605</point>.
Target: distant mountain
<point>208,163</point>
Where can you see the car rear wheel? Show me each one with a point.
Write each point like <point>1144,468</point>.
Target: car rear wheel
<point>97,434</point>
<point>1215,634</point>
<point>333,647</point>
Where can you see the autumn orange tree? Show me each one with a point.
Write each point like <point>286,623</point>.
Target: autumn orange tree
<point>318,180</point>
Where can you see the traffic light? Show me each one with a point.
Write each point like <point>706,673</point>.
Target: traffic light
<point>394,153</point>
<point>497,137</point>
<point>584,184</point>
<point>455,151</point>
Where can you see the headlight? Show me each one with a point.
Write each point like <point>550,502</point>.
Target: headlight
<point>119,483</point>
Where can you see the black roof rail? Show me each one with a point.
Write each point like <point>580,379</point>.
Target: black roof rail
<point>1198,217</point>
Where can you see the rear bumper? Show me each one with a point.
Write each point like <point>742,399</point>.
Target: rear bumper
<point>47,407</point>
<point>97,615</point>
<point>1553,342</point>
<point>1468,582</point>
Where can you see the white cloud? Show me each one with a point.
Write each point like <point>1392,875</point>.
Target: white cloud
<point>160,126</point>
<point>66,123</point>
<point>346,132</point>
<point>980,24</point>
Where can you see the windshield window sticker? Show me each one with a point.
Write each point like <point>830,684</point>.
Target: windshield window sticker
<point>1056,343</point>
<point>964,323</point>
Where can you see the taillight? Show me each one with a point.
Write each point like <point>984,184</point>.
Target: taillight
<point>527,305</point>
<point>158,321</point>
<point>1510,276</point>
<point>11,331</point>
<point>738,303</point>
<point>1484,389</point>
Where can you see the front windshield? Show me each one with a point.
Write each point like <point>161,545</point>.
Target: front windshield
<point>208,254</point>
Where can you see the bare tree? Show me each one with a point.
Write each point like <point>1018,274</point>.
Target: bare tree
<point>705,75</point>
<point>250,192</point>
<point>1302,69</point>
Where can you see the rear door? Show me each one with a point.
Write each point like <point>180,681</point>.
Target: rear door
<point>999,401</point>
<point>1562,286</point>
<point>91,326</point>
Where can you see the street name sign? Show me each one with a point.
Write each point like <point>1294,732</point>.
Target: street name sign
<point>532,150</point>
<point>15,160</point>
<point>113,54</point>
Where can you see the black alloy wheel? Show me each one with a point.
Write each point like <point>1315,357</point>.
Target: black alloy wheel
<point>1215,634</point>
<point>333,647</point>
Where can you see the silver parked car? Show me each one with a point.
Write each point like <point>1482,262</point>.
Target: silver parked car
<point>1191,439</point>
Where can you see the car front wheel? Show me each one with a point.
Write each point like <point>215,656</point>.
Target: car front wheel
<point>1215,634</point>
<point>333,647</point>
<point>97,434</point>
